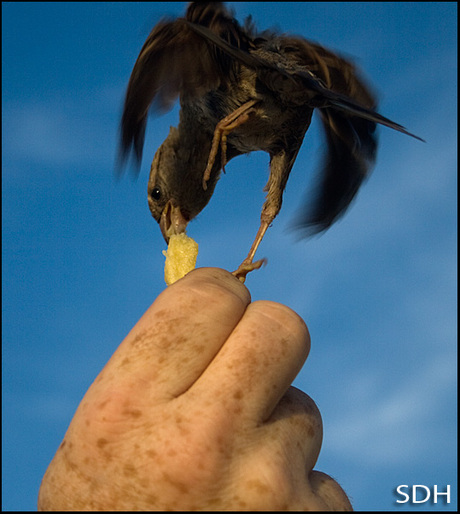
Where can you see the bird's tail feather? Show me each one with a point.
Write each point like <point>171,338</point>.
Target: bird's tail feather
<point>350,107</point>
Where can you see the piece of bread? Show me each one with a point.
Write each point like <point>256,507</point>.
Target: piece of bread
<point>180,257</point>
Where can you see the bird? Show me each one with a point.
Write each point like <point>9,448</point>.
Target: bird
<point>243,90</point>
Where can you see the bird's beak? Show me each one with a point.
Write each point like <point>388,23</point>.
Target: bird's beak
<point>172,221</point>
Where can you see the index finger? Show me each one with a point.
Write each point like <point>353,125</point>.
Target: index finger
<point>181,332</point>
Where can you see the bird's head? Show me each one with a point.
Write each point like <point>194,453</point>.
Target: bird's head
<point>175,188</point>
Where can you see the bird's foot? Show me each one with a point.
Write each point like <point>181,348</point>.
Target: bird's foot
<point>220,138</point>
<point>246,267</point>
<point>223,129</point>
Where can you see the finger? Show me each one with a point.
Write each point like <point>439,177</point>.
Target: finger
<point>278,456</point>
<point>296,427</point>
<point>258,362</point>
<point>181,332</point>
<point>329,492</point>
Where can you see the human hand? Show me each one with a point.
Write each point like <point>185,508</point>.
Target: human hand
<point>194,411</point>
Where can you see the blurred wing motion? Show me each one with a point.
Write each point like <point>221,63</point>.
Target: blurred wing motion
<point>174,61</point>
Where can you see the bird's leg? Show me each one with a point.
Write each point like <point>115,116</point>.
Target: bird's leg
<point>247,265</point>
<point>280,167</point>
<point>223,128</point>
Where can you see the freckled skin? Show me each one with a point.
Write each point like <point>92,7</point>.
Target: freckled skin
<point>215,426</point>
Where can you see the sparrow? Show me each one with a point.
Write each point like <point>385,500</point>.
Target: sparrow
<point>240,91</point>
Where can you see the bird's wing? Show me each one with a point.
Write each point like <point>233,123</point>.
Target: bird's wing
<point>176,61</point>
<point>346,104</point>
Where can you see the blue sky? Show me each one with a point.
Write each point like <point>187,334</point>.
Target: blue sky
<point>82,256</point>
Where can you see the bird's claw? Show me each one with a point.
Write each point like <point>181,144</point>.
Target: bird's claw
<point>246,267</point>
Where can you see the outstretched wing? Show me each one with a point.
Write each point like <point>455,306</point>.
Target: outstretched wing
<point>174,61</point>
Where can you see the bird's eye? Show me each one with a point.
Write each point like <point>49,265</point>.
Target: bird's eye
<point>156,193</point>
